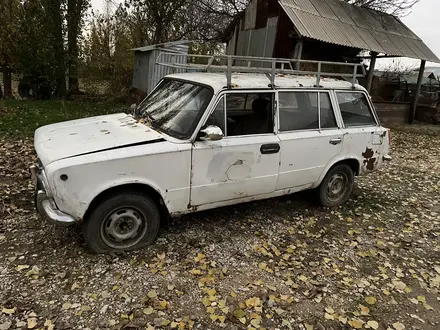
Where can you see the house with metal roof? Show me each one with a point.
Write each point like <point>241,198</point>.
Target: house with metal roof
<point>326,30</point>
<point>286,28</point>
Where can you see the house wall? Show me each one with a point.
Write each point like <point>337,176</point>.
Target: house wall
<point>256,30</point>
<point>266,30</point>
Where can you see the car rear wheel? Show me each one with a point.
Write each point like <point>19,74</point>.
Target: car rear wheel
<point>336,186</point>
<point>122,222</point>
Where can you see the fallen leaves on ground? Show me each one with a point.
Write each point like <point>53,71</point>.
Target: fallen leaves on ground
<point>370,264</point>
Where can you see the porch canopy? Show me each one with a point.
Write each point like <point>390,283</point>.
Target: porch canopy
<point>340,23</point>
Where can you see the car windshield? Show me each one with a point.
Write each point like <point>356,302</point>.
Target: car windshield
<point>175,107</point>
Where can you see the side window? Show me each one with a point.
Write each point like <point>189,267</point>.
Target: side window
<point>246,114</point>
<point>355,109</point>
<point>298,111</point>
<point>249,113</point>
<point>217,118</point>
<point>328,119</point>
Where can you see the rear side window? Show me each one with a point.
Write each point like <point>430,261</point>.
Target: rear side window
<point>298,111</point>
<point>355,109</point>
<point>305,111</point>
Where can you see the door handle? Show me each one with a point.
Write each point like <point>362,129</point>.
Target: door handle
<point>335,141</point>
<point>272,148</point>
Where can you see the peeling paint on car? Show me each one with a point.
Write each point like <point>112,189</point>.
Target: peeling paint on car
<point>369,160</point>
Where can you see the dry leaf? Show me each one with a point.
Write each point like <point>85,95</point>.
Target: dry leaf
<point>239,313</point>
<point>152,294</point>
<point>329,316</point>
<point>22,267</point>
<point>49,325</point>
<point>398,326</point>
<point>373,325</point>
<point>356,323</point>
<point>66,306</point>
<point>31,323</point>
<point>148,311</point>
<point>9,311</point>
<point>370,300</point>
<point>428,307</point>
<point>329,310</point>
<point>364,310</point>
<point>308,326</point>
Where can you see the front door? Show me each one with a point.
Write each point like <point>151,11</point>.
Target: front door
<point>310,137</point>
<point>246,161</point>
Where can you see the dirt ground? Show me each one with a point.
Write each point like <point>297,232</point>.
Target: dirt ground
<point>278,264</point>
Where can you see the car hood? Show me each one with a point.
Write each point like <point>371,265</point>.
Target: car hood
<point>90,135</point>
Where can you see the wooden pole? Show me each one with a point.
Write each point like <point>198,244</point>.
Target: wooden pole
<point>371,71</point>
<point>298,53</point>
<point>418,88</point>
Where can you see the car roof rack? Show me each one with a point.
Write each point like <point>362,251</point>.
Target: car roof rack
<point>270,66</point>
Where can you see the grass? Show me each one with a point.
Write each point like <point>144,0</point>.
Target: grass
<point>21,118</point>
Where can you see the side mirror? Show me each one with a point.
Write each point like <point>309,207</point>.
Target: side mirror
<point>211,133</point>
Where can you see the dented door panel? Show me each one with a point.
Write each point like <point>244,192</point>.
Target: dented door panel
<point>233,168</point>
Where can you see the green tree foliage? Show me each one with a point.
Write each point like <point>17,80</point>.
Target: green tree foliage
<point>43,39</point>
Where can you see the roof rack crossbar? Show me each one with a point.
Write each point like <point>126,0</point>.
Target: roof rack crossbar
<point>229,64</point>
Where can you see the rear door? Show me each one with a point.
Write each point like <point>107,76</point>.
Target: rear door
<point>363,135</point>
<point>309,134</point>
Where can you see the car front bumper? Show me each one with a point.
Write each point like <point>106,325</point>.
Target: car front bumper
<point>45,205</point>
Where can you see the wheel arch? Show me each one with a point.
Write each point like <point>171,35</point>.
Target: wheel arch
<point>137,187</point>
<point>352,162</point>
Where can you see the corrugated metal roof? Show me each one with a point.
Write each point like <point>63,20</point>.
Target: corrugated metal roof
<point>340,23</point>
<point>164,45</point>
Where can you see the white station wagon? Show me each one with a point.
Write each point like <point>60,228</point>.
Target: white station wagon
<point>195,144</point>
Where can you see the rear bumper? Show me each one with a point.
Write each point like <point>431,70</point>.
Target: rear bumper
<point>46,207</point>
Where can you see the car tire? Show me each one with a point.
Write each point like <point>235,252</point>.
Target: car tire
<point>124,221</point>
<point>336,187</point>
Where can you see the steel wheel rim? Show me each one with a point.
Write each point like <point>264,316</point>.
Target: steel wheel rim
<point>123,228</point>
<point>337,186</point>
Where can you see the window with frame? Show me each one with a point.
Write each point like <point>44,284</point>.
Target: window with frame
<point>298,111</point>
<point>327,115</point>
<point>305,111</point>
<point>246,114</point>
<point>355,109</point>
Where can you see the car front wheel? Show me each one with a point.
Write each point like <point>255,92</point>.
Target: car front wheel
<point>122,222</point>
<point>336,186</point>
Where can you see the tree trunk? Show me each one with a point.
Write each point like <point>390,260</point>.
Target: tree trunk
<point>1,92</point>
<point>7,81</point>
<point>74,10</point>
<point>54,11</point>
